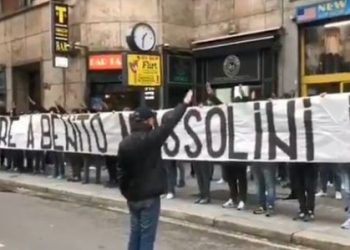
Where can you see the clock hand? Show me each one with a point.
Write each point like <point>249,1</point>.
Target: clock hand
<point>143,40</point>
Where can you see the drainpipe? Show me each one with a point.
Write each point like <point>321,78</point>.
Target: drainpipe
<point>284,52</point>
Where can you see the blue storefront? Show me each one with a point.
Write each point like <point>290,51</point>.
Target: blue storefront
<point>324,30</point>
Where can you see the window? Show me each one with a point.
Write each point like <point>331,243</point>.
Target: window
<point>327,48</point>
<point>8,6</point>
<point>25,3</point>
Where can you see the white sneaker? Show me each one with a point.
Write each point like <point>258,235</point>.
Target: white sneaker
<point>321,194</point>
<point>338,195</point>
<point>221,181</point>
<point>241,205</point>
<point>229,204</point>
<point>169,196</point>
<point>346,224</point>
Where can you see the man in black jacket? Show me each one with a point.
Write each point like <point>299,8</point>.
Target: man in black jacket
<point>141,175</point>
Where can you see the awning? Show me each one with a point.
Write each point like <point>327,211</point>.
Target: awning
<point>241,42</point>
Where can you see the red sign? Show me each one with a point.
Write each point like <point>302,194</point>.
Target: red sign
<point>105,62</point>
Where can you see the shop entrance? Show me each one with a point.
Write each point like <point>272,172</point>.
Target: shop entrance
<point>106,88</point>
<point>26,84</point>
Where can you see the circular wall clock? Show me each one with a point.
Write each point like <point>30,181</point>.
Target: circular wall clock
<point>142,37</point>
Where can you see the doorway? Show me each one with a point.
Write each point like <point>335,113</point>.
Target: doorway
<point>26,84</point>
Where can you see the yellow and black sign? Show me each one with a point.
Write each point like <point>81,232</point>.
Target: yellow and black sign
<point>144,70</point>
<point>60,29</point>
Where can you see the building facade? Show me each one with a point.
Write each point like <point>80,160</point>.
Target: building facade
<point>258,43</point>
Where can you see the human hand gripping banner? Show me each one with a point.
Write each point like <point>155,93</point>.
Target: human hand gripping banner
<point>315,129</point>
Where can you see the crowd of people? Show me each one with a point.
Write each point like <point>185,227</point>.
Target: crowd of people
<point>140,180</point>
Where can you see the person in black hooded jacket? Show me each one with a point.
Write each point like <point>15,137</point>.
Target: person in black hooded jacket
<point>142,177</point>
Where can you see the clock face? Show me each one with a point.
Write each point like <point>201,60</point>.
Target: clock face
<point>144,37</point>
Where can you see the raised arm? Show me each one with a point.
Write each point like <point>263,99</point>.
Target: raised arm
<point>159,135</point>
<point>212,97</point>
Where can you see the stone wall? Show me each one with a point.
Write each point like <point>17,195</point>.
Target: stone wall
<point>24,39</point>
<point>103,26</point>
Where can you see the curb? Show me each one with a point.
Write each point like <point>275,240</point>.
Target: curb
<point>304,238</point>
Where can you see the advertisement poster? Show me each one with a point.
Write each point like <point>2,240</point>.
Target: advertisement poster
<point>144,70</point>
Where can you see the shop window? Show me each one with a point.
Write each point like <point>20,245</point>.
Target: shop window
<point>268,64</point>
<point>317,89</point>
<point>180,69</point>
<point>327,48</point>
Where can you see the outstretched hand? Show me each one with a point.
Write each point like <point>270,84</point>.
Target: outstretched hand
<point>323,94</point>
<point>210,90</point>
<point>188,97</point>
<point>31,100</point>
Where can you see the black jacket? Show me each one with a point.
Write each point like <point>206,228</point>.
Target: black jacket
<point>140,170</point>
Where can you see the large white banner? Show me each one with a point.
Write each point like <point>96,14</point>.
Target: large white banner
<point>305,129</point>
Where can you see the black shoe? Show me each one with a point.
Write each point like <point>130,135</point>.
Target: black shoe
<point>181,184</point>
<point>259,210</point>
<point>111,184</point>
<point>270,211</point>
<point>307,218</point>
<point>311,216</point>
<point>290,197</point>
<point>74,179</point>
<point>300,216</point>
<point>204,201</point>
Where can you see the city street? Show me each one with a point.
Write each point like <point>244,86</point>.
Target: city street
<point>30,223</point>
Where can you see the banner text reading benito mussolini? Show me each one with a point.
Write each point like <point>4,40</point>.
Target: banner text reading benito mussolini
<point>305,129</point>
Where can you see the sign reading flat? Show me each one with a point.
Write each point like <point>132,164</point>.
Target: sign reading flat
<point>144,70</point>
<point>60,34</point>
<point>106,62</point>
<point>312,129</point>
<point>324,10</point>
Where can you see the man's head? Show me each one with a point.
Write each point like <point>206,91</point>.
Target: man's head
<point>144,118</point>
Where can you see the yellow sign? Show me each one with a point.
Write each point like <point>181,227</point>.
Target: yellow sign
<point>144,70</point>
<point>60,30</point>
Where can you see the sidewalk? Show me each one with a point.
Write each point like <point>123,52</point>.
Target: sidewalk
<point>324,233</point>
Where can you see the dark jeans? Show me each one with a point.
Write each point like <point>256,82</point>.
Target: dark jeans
<point>203,171</point>
<point>181,169</point>
<point>345,173</point>
<point>59,164</point>
<point>293,177</point>
<point>75,161</point>
<point>111,165</point>
<point>306,185</point>
<point>93,160</point>
<point>35,161</point>
<point>235,174</point>
<point>15,159</point>
<point>144,223</point>
<point>330,172</point>
<point>171,170</point>
<point>266,183</point>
